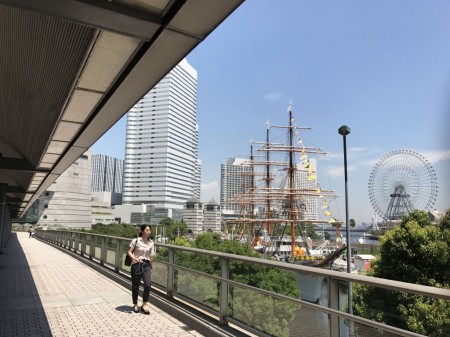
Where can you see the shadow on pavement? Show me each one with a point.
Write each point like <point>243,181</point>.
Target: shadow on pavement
<point>21,310</point>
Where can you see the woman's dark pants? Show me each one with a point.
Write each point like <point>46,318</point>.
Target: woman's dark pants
<point>138,271</point>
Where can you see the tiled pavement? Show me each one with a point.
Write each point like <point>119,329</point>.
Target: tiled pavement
<point>45,292</point>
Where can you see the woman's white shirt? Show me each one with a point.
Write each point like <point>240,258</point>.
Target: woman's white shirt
<point>142,250</point>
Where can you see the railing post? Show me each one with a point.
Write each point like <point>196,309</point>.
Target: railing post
<point>103,251</point>
<point>83,245</point>
<point>71,241</point>
<point>333,303</point>
<point>118,255</point>
<point>170,273</point>
<point>76,244</point>
<point>91,248</point>
<point>225,272</point>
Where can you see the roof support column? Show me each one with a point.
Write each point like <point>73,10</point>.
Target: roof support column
<point>2,216</point>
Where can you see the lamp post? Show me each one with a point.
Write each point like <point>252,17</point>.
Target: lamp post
<point>344,130</point>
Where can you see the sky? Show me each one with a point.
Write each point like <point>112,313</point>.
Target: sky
<point>380,67</point>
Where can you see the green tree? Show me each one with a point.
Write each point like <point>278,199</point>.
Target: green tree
<point>115,229</point>
<point>208,241</point>
<point>311,232</point>
<point>352,223</point>
<point>416,251</point>
<point>166,221</point>
<point>176,229</point>
<point>261,311</point>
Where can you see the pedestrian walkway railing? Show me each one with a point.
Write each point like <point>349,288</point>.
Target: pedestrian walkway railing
<point>221,285</point>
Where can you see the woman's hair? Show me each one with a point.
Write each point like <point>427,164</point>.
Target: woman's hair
<point>143,227</point>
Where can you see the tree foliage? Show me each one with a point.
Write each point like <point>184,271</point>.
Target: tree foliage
<point>116,229</point>
<point>416,251</point>
<point>261,311</point>
<point>173,229</point>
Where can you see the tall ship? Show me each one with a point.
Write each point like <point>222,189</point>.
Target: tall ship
<point>283,199</point>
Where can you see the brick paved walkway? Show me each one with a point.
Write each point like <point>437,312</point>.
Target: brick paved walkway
<point>44,292</point>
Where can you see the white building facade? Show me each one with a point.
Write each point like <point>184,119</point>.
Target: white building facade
<point>107,173</point>
<point>212,217</point>
<point>235,178</point>
<point>161,165</point>
<point>193,216</point>
<point>67,202</point>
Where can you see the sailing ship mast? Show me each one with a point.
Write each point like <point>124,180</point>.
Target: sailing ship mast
<point>268,178</point>
<point>291,171</point>
<point>272,197</point>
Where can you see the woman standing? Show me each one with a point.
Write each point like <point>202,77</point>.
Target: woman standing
<point>141,252</point>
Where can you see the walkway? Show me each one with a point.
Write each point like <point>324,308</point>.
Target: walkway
<point>45,292</point>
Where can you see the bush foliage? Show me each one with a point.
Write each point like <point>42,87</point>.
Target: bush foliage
<point>416,251</point>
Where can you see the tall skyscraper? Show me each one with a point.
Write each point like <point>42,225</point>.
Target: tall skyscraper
<point>161,155</point>
<point>107,173</point>
<point>235,179</point>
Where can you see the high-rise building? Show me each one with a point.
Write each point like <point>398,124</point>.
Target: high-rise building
<point>161,156</point>
<point>235,179</point>
<point>107,173</point>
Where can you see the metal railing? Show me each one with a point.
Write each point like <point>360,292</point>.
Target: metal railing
<point>232,300</point>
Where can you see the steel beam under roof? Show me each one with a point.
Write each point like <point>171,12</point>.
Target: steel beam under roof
<point>70,69</point>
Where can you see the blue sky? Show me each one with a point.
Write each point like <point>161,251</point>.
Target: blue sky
<point>380,67</point>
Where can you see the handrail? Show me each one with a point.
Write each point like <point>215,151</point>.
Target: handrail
<point>73,240</point>
<point>415,289</point>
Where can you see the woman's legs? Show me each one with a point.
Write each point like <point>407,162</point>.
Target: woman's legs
<point>147,274</point>
<point>135,280</point>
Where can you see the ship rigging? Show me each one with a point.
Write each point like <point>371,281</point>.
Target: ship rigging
<point>280,191</point>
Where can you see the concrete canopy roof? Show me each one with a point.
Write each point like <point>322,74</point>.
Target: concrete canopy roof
<point>70,69</point>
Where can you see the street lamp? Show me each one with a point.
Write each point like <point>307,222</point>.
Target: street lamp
<point>344,130</point>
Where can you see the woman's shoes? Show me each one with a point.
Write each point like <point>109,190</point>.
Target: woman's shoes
<point>136,308</point>
<point>144,309</point>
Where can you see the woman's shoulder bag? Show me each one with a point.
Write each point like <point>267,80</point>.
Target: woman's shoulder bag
<point>127,257</point>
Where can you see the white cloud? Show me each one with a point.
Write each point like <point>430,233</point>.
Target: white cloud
<point>436,156</point>
<point>273,96</point>
<point>210,191</point>
<point>370,162</point>
<point>358,149</point>
<point>338,171</point>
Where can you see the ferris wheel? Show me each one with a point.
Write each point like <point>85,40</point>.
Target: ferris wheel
<point>400,182</point>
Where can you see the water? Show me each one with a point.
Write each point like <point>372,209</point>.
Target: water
<point>355,235</point>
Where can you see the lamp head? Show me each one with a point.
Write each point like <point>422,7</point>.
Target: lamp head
<point>344,130</point>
